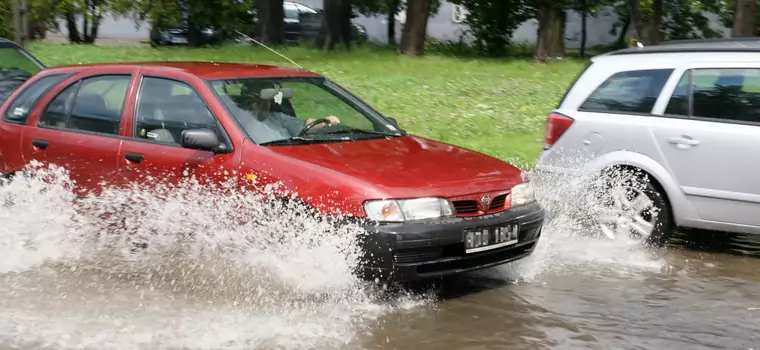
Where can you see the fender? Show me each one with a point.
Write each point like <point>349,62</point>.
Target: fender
<point>681,208</point>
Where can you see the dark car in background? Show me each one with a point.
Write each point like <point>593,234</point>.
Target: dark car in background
<point>295,16</point>
<point>16,66</point>
<point>300,20</point>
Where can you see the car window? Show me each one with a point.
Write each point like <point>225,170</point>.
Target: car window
<point>93,104</point>
<point>304,9</point>
<point>679,101</point>
<point>730,93</point>
<point>18,110</point>
<point>285,114</point>
<point>291,12</point>
<point>628,92</point>
<point>166,107</point>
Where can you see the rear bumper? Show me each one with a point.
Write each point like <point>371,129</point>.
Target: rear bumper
<point>409,252</point>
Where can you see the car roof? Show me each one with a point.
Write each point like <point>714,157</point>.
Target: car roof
<point>203,70</point>
<point>5,43</point>
<point>694,46</point>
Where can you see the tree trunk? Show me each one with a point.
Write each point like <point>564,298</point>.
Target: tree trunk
<point>647,28</point>
<point>551,38</point>
<point>744,18</point>
<point>414,32</point>
<point>624,31</point>
<point>91,33</point>
<point>584,16</point>
<point>71,27</point>
<point>344,22</point>
<point>336,24</point>
<point>392,10</point>
<point>270,28</point>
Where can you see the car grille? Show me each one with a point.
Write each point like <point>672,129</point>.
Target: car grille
<point>409,256</point>
<point>471,207</point>
<point>466,207</point>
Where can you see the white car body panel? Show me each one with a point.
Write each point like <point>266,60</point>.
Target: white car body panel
<point>706,167</point>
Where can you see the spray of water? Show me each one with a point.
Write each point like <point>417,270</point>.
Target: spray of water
<point>572,239</point>
<point>185,266</point>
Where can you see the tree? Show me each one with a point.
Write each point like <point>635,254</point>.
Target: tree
<point>551,17</point>
<point>680,19</point>
<point>393,7</point>
<point>492,22</point>
<point>587,8</point>
<point>415,29</point>
<point>389,8</point>
<point>728,13</point>
<point>647,21</point>
<point>191,14</point>
<point>270,28</point>
<point>745,18</point>
<point>336,24</point>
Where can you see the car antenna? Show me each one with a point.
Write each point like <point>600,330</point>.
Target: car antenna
<point>279,54</point>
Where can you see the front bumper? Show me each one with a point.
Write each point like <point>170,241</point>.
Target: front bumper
<point>408,252</point>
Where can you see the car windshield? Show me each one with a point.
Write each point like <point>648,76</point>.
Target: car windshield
<point>279,111</point>
<point>15,63</point>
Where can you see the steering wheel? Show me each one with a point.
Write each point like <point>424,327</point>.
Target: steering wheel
<point>311,125</point>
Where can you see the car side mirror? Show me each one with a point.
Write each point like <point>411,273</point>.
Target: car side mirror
<point>394,121</point>
<point>202,139</point>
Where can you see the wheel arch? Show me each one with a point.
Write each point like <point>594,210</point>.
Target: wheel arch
<point>681,209</point>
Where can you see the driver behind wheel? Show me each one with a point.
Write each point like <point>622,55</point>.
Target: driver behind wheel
<point>275,125</point>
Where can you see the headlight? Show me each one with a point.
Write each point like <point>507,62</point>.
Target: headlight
<point>400,210</point>
<point>522,194</point>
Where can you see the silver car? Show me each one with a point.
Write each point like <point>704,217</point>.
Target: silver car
<point>670,132</point>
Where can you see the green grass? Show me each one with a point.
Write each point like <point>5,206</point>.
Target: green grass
<point>497,107</point>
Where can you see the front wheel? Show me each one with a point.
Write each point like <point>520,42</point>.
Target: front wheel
<point>632,206</point>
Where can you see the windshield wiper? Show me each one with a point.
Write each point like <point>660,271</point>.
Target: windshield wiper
<point>296,140</point>
<point>357,131</point>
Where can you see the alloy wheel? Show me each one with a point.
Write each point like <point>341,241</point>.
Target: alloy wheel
<point>627,211</point>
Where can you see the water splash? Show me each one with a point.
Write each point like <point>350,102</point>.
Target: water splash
<point>181,267</point>
<point>571,238</point>
<point>109,271</point>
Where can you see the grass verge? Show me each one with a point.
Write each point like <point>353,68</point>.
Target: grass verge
<point>497,107</point>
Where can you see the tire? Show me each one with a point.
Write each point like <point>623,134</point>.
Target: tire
<point>621,194</point>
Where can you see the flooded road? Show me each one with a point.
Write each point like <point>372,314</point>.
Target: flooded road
<point>683,300</point>
<point>234,288</point>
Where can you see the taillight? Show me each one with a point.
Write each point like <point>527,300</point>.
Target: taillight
<point>556,125</point>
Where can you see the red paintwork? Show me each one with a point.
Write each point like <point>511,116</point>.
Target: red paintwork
<point>334,177</point>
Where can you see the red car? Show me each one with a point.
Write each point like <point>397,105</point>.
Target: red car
<point>431,209</point>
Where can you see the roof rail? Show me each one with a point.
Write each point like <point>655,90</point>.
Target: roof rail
<point>744,44</point>
<point>711,40</point>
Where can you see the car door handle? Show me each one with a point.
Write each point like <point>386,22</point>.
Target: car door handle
<point>687,141</point>
<point>134,157</point>
<point>42,144</point>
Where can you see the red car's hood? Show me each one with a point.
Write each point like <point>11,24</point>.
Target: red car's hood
<point>410,166</point>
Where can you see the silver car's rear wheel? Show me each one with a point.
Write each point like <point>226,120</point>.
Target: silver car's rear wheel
<point>630,206</point>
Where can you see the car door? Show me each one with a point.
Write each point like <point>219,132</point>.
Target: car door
<point>709,135</point>
<point>16,115</point>
<point>77,126</point>
<point>153,155</point>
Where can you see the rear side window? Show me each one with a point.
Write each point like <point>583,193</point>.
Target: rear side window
<point>18,110</point>
<point>628,92</point>
<point>731,94</point>
<point>93,104</point>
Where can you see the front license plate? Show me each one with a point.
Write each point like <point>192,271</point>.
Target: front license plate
<point>487,238</point>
